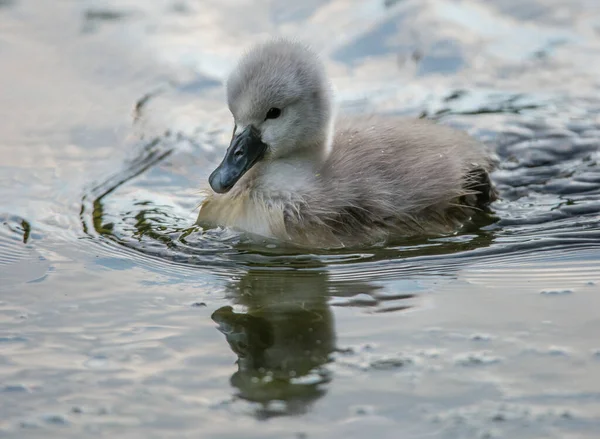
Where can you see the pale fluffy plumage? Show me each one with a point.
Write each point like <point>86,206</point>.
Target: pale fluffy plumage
<point>359,181</point>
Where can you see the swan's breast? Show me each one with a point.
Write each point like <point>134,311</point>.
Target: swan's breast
<point>242,212</point>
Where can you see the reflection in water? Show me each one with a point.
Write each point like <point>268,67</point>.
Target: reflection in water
<point>282,341</point>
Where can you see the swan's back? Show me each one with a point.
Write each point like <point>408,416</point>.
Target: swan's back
<point>393,176</point>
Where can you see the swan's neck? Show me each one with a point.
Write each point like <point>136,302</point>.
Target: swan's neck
<point>297,171</point>
<point>329,133</point>
<point>292,173</point>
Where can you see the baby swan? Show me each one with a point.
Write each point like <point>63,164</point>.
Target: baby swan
<point>287,174</point>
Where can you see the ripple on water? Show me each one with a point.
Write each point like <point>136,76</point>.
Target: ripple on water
<point>14,236</point>
<point>19,261</point>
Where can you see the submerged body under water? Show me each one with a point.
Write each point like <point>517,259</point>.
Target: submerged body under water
<point>118,316</point>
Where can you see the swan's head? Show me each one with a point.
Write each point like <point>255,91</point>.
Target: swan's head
<point>280,100</point>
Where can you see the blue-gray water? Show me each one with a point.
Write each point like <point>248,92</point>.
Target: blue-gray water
<point>119,319</point>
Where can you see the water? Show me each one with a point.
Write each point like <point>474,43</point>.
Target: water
<point>118,317</point>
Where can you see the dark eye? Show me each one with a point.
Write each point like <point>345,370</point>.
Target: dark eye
<point>273,113</point>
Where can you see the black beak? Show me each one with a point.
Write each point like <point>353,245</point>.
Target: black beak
<point>244,151</point>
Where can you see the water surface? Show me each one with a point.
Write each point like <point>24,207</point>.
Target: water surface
<point>119,317</point>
